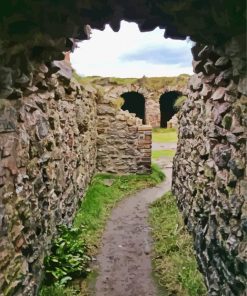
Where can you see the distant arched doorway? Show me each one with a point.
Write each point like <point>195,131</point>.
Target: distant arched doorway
<point>167,109</point>
<point>134,102</point>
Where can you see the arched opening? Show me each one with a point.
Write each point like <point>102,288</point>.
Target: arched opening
<point>167,109</point>
<point>134,102</point>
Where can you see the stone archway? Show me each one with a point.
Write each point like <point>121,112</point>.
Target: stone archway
<point>134,102</point>
<point>209,178</point>
<point>167,110</point>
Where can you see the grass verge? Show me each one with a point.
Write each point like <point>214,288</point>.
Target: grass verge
<point>162,135</point>
<point>163,153</point>
<point>102,195</point>
<point>175,266</point>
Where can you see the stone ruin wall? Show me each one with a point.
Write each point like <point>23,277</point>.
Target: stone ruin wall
<point>152,105</point>
<point>48,144</point>
<point>124,145</point>
<point>40,32</point>
<point>48,156</point>
<point>210,174</point>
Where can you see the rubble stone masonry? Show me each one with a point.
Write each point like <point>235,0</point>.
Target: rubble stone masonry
<point>47,158</point>
<point>210,174</point>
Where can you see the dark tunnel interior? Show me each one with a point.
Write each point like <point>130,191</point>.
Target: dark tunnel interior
<point>167,109</point>
<point>134,103</point>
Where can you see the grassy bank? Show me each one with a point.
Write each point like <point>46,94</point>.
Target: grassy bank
<point>151,83</point>
<point>164,135</point>
<point>174,262</point>
<point>163,153</point>
<point>103,194</point>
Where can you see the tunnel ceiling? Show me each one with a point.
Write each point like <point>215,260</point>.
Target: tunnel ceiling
<point>45,23</point>
<point>33,32</point>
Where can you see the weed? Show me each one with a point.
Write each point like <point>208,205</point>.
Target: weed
<point>68,257</point>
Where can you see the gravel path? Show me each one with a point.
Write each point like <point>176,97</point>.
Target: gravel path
<point>164,146</point>
<point>124,260</point>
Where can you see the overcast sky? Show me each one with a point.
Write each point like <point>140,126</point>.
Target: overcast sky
<point>130,53</point>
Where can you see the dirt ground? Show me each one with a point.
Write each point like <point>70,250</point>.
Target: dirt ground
<point>124,261</point>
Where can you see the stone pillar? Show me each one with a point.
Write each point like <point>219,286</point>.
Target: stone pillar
<point>152,112</point>
<point>145,148</point>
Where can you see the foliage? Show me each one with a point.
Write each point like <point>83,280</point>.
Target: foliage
<point>179,102</point>
<point>164,135</point>
<point>84,238</point>
<point>163,153</point>
<point>58,290</point>
<point>68,257</point>
<point>174,260</point>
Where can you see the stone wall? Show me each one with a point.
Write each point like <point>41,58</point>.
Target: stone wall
<point>150,94</point>
<point>210,175</point>
<point>123,144</point>
<point>48,156</point>
<point>153,112</point>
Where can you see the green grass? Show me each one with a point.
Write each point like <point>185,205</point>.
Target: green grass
<point>151,83</point>
<point>94,211</point>
<point>100,199</point>
<point>164,135</point>
<point>58,291</point>
<point>163,153</point>
<point>179,102</point>
<point>175,267</point>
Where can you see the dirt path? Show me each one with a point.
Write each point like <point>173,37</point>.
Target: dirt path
<point>124,260</point>
<point>164,146</point>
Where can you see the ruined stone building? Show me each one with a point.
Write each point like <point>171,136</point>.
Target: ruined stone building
<point>150,99</point>
<point>55,133</point>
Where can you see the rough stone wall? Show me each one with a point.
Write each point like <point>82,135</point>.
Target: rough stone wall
<point>152,113</point>
<point>151,96</point>
<point>210,174</point>
<point>123,144</point>
<point>48,155</point>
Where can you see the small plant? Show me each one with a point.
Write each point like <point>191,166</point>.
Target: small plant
<point>68,257</point>
<point>179,102</point>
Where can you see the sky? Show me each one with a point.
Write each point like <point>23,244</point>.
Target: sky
<point>130,53</point>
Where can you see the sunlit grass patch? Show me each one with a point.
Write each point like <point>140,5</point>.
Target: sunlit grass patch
<point>164,135</point>
<point>163,153</point>
<point>175,266</point>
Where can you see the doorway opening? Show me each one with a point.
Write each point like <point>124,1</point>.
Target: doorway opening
<point>134,102</point>
<point>167,109</point>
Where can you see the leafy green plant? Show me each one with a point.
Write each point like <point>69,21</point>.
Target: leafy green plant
<point>68,257</point>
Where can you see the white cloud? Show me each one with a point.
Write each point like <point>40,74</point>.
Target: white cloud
<point>102,54</point>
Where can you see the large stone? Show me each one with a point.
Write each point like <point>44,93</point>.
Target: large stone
<point>219,94</point>
<point>195,82</point>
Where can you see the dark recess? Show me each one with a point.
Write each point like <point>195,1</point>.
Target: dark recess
<point>167,109</point>
<point>134,103</point>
